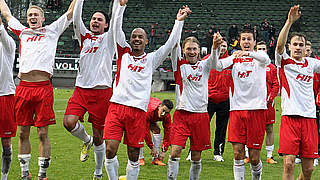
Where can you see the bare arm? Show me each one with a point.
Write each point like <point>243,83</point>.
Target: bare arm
<point>5,11</point>
<point>293,15</point>
<point>69,13</point>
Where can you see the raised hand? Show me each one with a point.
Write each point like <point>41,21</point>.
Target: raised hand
<point>183,13</point>
<point>123,2</point>
<point>294,14</point>
<point>217,40</point>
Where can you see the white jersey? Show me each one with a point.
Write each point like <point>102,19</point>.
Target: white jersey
<point>37,48</point>
<point>96,52</point>
<point>132,86</point>
<point>191,82</point>
<point>296,85</point>
<point>249,90</point>
<point>7,54</point>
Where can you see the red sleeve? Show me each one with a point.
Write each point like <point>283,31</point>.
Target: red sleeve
<point>275,84</point>
<point>167,127</point>
<point>148,137</point>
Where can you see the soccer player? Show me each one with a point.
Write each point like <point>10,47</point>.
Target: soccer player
<point>191,118</point>
<point>131,93</point>
<point>219,84</point>
<point>34,95</point>
<point>316,90</point>
<point>8,126</point>
<point>272,92</point>
<point>93,84</point>
<point>298,130</point>
<point>247,103</point>
<point>157,111</point>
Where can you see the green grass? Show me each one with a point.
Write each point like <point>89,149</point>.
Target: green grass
<point>65,153</point>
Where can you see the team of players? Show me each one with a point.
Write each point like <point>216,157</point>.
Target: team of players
<point>128,108</point>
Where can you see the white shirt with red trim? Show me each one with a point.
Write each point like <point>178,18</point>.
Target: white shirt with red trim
<point>191,82</point>
<point>7,55</point>
<point>296,85</point>
<point>132,86</point>
<point>249,90</point>
<point>37,48</point>
<point>96,52</point>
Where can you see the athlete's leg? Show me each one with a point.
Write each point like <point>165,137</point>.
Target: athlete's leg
<point>99,150</point>
<point>6,156</point>
<point>24,149</point>
<point>44,151</point>
<point>173,161</point>
<point>288,167</point>
<point>238,164</point>
<point>111,162</point>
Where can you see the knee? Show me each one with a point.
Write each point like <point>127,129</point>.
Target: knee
<point>288,167</point>
<point>238,155</point>
<point>6,142</point>
<point>176,153</point>
<point>69,123</point>
<point>254,161</point>
<point>196,155</point>
<point>269,129</point>
<point>133,153</point>
<point>23,135</point>
<point>307,171</point>
<point>43,136</point>
<point>110,152</point>
<point>156,131</point>
<point>97,139</point>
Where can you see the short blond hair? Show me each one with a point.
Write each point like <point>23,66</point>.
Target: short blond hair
<point>36,7</point>
<point>308,43</point>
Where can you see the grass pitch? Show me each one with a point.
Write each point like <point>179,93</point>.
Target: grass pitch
<point>65,163</point>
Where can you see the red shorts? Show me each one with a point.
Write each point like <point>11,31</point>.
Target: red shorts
<point>247,127</point>
<point>130,120</point>
<point>194,125</point>
<point>8,125</point>
<point>34,104</point>
<point>298,136</point>
<point>270,115</point>
<point>95,101</point>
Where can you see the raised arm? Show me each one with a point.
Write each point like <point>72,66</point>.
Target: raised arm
<point>293,15</point>
<point>5,11</point>
<point>117,11</point>
<point>69,13</point>
<point>7,41</point>
<point>78,25</point>
<point>213,59</point>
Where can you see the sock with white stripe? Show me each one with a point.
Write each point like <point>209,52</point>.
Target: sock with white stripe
<point>238,169</point>
<point>79,132</point>
<point>112,166</point>
<point>195,170</point>
<point>256,171</point>
<point>173,168</point>
<point>133,169</point>
<point>99,154</point>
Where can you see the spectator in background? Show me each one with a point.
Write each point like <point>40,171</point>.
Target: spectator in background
<point>264,26</point>
<point>256,33</point>
<point>209,38</point>
<point>247,26</point>
<point>218,89</point>
<point>272,31</point>
<point>272,47</point>
<point>152,37</point>
<point>233,32</point>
